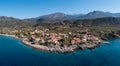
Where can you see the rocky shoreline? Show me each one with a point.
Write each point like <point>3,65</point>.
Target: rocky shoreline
<point>61,49</point>
<point>58,49</point>
<point>64,49</point>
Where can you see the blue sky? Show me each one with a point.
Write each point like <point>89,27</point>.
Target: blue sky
<point>34,8</point>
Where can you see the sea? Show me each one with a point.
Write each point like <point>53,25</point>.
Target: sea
<point>14,53</point>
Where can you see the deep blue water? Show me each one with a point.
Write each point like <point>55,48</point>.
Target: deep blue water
<point>14,53</point>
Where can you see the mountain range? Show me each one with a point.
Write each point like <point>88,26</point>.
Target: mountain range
<point>62,16</point>
<point>95,18</point>
<point>90,15</point>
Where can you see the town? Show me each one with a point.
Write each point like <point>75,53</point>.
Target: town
<point>58,42</point>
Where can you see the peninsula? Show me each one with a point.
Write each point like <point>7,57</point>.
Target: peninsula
<point>59,42</point>
<point>55,34</point>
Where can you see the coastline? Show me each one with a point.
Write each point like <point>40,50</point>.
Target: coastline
<point>38,47</point>
<point>57,49</point>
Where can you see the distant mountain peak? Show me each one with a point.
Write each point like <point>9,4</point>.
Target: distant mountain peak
<point>58,15</point>
<point>5,18</point>
<point>54,16</point>
<point>97,14</point>
<point>62,16</point>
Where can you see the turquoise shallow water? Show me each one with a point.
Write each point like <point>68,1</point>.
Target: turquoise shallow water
<point>14,53</point>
